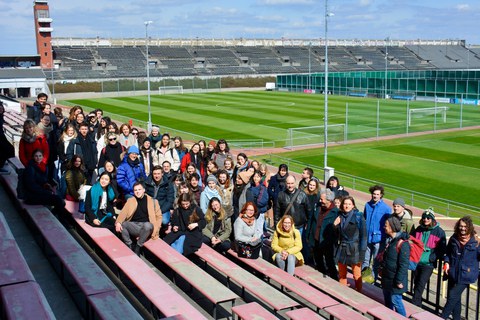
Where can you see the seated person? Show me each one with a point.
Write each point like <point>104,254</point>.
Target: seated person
<point>140,218</point>
<point>217,232</point>
<point>160,188</point>
<point>287,245</point>
<point>130,171</point>
<point>248,237</point>
<point>99,211</point>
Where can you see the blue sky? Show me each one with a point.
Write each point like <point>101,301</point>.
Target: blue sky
<point>291,19</point>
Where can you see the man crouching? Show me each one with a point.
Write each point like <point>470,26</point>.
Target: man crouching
<point>140,218</point>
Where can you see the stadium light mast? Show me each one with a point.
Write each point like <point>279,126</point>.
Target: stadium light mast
<point>386,66</point>
<point>309,66</point>
<point>325,119</point>
<point>149,124</point>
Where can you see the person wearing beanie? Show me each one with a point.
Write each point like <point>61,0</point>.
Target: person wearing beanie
<point>404,215</point>
<point>211,191</point>
<point>434,241</point>
<point>395,266</point>
<point>131,170</point>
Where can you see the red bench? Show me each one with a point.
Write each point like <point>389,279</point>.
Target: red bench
<point>208,286</point>
<point>342,312</point>
<point>246,280</point>
<point>252,311</point>
<point>302,314</point>
<point>425,315</point>
<point>385,313</point>
<point>24,301</point>
<point>155,289</point>
<point>301,288</point>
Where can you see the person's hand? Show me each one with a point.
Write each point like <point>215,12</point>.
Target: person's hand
<point>97,222</point>
<point>399,285</point>
<point>175,228</point>
<point>284,255</point>
<point>118,227</point>
<point>446,268</point>
<point>192,226</point>
<point>214,240</point>
<point>337,221</point>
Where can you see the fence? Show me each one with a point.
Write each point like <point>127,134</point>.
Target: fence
<point>416,199</point>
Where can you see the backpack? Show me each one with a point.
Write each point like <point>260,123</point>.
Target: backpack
<point>416,251</point>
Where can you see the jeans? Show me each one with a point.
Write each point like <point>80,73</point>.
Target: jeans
<point>166,217</point>
<point>454,300</point>
<point>142,230</point>
<point>422,276</point>
<point>394,302</point>
<point>288,264</point>
<point>178,244</point>
<point>371,254</point>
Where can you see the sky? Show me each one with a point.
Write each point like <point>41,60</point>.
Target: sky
<point>251,19</point>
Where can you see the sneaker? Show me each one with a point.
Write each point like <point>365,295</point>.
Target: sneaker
<point>4,171</point>
<point>137,250</point>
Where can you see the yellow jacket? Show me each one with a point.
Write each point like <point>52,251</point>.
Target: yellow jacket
<point>154,213</point>
<point>289,241</point>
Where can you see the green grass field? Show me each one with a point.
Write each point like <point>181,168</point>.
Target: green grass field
<point>445,165</point>
<point>268,115</point>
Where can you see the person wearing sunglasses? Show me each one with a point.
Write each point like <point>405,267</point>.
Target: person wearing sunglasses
<point>112,151</point>
<point>434,241</point>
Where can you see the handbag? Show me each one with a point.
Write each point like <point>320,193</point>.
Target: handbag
<point>82,191</point>
<point>245,250</point>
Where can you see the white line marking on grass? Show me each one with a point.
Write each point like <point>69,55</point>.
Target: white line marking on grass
<point>233,104</point>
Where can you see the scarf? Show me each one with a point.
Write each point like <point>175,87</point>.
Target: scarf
<point>66,141</point>
<point>46,130</point>
<point>42,166</point>
<point>28,138</point>
<point>463,239</point>
<point>96,193</point>
<point>248,220</point>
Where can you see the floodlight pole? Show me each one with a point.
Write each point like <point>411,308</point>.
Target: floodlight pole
<point>149,124</point>
<point>386,66</point>
<point>325,119</point>
<point>309,67</point>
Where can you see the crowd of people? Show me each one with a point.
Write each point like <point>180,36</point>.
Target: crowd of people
<point>149,185</point>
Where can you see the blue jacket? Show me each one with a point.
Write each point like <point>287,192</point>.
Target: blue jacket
<point>463,262</point>
<point>375,216</point>
<point>128,174</point>
<point>259,196</point>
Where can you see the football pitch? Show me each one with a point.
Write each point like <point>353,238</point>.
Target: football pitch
<point>446,165</point>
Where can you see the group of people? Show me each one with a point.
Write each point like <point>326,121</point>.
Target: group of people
<point>147,186</point>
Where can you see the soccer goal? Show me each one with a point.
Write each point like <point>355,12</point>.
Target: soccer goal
<point>170,89</point>
<point>304,136</point>
<point>357,92</point>
<point>426,112</point>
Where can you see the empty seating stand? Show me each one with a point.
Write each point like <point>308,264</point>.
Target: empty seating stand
<point>245,280</point>
<point>252,311</point>
<point>160,294</point>
<point>208,286</point>
<point>21,296</point>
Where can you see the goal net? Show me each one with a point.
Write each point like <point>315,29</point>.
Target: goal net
<point>403,95</point>
<point>303,136</point>
<point>170,89</point>
<point>357,92</point>
<point>427,113</point>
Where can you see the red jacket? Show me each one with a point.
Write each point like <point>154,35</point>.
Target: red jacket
<point>25,151</point>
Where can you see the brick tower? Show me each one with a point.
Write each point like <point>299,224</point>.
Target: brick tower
<point>43,32</point>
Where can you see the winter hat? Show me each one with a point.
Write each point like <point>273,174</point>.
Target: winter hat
<point>133,149</point>
<point>245,176</point>
<point>394,224</point>
<point>399,201</point>
<point>429,213</point>
<point>211,178</point>
<point>212,143</point>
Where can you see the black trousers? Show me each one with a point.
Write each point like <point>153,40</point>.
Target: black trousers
<point>422,276</point>
<point>324,255</point>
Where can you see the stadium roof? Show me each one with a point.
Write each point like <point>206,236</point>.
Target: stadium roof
<point>30,73</point>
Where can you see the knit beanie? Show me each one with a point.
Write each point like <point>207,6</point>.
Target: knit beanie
<point>211,178</point>
<point>429,213</point>
<point>399,201</point>
<point>394,224</point>
<point>133,149</point>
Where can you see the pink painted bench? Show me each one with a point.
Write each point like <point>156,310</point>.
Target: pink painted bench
<point>301,288</point>
<point>252,311</point>
<point>246,280</point>
<point>24,301</point>
<point>302,314</point>
<point>208,286</point>
<point>342,312</point>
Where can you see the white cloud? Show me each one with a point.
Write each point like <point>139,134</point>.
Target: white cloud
<point>365,3</point>
<point>463,7</point>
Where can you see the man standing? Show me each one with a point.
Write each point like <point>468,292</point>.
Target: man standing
<point>85,146</point>
<point>292,201</point>
<point>376,212</point>
<point>34,111</point>
<point>140,218</point>
<point>158,187</point>
<point>307,174</point>
<point>404,215</point>
<point>167,171</point>
<point>325,235</point>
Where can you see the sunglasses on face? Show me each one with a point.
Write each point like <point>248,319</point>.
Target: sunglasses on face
<point>112,139</point>
<point>135,133</point>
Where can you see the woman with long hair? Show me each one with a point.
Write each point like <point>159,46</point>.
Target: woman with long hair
<point>74,178</point>
<point>125,137</point>
<point>218,227</point>
<point>248,237</point>
<point>99,201</point>
<point>68,135</point>
<point>287,245</point>
<point>101,134</point>
<point>242,165</point>
<point>146,155</point>
<point>113,151</point>
<point>352,234</point>
<point>313,197</point>
<point>164,152</point>
<point>187,224</point>
<point>180,147</point>
<point>194,156</point>
<point>277,184</point>
<point>228,165</point>
<point>221,152</point>
<point>258,194</point>
<point>265,174</point>
<point>30,141</point>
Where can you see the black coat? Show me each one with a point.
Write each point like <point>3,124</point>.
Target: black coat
<point>395,265</point>
<point>111,153</point>
<point>193,238</point>
<point>165,194</point>
<point>352,238</point>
